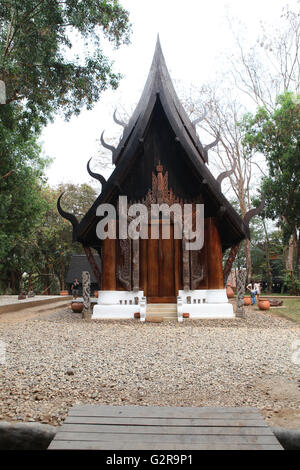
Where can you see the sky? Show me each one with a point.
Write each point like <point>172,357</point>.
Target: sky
<point>194,35</point>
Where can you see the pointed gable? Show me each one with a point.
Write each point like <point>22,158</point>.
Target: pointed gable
<point>160,130</point>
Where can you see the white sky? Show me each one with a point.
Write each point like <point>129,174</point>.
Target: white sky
<point>194,35</point>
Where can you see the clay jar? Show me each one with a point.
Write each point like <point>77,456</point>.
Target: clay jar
<point>229,291</point>
<point>264,304</point>
<point>77,307</point>
<point>247,301</point>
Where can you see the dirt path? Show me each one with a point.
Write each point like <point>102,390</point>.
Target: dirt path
<point>33,312</point>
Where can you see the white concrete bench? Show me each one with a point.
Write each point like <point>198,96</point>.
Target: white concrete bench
<point>119,305</point>
<point>204,303</point>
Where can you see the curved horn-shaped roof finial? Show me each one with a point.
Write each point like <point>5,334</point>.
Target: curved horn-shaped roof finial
<point>253,212</point>
<point>97,176</point>
<point>107,146</point>
<point>226,174</point>
<point>199,119</point>
<point>68,216</point>
<point>209,146</point>
<point>118,121</point>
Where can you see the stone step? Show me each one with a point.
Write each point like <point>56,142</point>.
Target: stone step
<point>161,312</point>
<point>162,307</point>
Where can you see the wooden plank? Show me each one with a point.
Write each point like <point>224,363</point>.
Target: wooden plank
<point>163,409</point>
<point>164,428</point>
<point>214,255</point>
<point>153,271</point>
<point>166,266</point>
<point>156,412</point>
<point>166,422</point>
<point>212,430</point>
<point>164,438</point>
<point>225,416</point>
<point>109,264</point>
<point>86,445</point>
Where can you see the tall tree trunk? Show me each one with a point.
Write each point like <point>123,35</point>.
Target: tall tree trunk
<point>289,262</point>
<point>247,246</point>
<point>62,273</point>
<point>247,249</point>
<point>290,254</point>
<point>269,270</point>
<point>298,255</point>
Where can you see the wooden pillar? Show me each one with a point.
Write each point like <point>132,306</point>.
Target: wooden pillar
<point>185,266</point>
<point>109,264</point>
<point>136,265</point>
<point>214,255</point>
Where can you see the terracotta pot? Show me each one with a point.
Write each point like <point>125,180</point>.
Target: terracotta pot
<point>229,291</point>
<point>264,304</point>
<point>186,315</point>
<point>137,315</point>
<point>64,292</point>
<point>96,294</point>
<point>77,307</point>
<point>247,301</point>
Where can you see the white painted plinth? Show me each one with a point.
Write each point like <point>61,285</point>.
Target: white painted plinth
<point>114,312</point>
<point>208,303</point>
<point>119,305</point>
<point>209,311</point>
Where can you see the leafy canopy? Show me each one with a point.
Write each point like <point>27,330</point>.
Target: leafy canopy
<point>277,136</point>
<point>35,37</point>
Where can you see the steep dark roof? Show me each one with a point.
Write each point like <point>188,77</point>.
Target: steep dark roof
<point>159,87</point>
<point>159,83</point>
<point>78,264</point>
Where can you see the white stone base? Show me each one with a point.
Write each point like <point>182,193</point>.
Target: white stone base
<point>114,312</point>
<point>204,303</point>
<point>119,305</point>
<point>209,311</point>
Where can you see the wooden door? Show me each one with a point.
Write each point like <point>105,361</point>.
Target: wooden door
<point>159,258</point>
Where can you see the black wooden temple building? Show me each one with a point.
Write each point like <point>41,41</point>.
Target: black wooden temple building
<point>160,159</point>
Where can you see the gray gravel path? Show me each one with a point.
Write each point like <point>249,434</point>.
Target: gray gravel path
<point>59,360</point>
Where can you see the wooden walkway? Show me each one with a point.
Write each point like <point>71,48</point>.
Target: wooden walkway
<point>164,428</point>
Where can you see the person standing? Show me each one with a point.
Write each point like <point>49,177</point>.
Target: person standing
<point>257,288</point>
<point>252,289</point>
<point>75,288</point>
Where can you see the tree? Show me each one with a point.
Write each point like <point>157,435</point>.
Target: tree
<point>21,179</point>
<point>36,62</point>
<point>255,74</point>
<point>270,66</point>
<point>277,136</point>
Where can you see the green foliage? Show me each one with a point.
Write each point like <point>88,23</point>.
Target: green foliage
<point>44,251</point>
<point>35,37</point>
<point>277,136</point>
<point>21,176</point>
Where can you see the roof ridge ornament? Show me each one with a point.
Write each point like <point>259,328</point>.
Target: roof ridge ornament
<point>97,176</point>
<point>107,146</point>
<point>226,174</point>
<point>200,118</point>
<point>68,216</point>
<point>255,211</point>
<point>118,121</point>
<point>213,144</point>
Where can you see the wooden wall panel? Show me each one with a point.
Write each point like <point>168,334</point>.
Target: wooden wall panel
<point>214,255</point>
<point>109,265</point>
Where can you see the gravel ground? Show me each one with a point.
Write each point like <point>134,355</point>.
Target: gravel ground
<point>13,299</point>
<point>59,360</point>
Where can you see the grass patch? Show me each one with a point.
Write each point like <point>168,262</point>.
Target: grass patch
<point>291,310</point>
